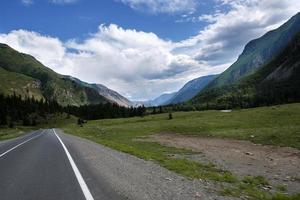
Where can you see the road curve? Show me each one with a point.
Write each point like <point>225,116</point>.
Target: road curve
<point>39,166</point>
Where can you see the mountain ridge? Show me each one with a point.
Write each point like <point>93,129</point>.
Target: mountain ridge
<point>42,82</point>
<point>276,82</point>
<point>191,89</point>
<point>258,52</point>
<point>105,91</point>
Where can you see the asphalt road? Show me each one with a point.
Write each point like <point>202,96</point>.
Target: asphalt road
<point>41,166</point>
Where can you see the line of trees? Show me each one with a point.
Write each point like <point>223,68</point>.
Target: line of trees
<point>105,111</point>
<point>26,111</point>
<point>29,111</point>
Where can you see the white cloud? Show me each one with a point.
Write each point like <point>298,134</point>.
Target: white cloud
<point>27,2</point>
<point>61,2</point>
<point>162,6</point>
<point>47,49</point>
<point>129,61</point>
<point>229,31</point>
<point>141,65</point>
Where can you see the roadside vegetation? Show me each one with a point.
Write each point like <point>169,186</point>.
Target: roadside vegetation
<point>276,125</point>
<point>48,121</point>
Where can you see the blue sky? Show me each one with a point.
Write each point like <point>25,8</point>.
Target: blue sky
<point>78,18</point>
<point>140,48</point>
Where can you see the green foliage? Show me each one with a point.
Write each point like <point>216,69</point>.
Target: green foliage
<point>20,84</point>
<point>281,188</point>
<point>17,110</point>
<point>255,181</point>
<point>105,111</point>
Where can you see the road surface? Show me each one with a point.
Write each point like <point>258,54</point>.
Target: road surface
<point>41,166</point>
<point>48,164</point>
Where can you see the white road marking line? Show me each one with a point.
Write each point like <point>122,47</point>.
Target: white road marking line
<point>20,144</point>
<point>84,187</point>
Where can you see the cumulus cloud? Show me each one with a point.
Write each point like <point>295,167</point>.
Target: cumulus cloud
<point>228,32</point>
<point>140,65</point>
<point>126,60</point>
<point>48,50</point>
<point>162,6</point>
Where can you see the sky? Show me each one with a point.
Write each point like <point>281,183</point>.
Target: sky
<point>140,48</point>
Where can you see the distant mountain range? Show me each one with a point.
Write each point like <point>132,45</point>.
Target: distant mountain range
<point>187,92</point>
<point>24,75</point>
<point>161,100</point>
<point>191,89</point>
<point>267,72</point>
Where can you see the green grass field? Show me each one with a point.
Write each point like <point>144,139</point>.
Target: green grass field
<point>276,125</point>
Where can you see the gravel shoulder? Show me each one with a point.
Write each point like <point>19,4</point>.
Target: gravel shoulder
<point>131,177</point>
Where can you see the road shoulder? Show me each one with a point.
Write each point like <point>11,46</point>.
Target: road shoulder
<point>129,176</point>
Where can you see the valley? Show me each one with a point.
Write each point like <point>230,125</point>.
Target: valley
<point>123,113</point>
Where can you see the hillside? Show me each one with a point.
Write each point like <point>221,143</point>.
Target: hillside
<point>259,52</point>
<point>158,101</point>
<point>276,82</point>
<point>104,91</point>
<point>191,89</point>
<point>21,84</point>
<point>24,75</point>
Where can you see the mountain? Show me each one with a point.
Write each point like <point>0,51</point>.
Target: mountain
<point>276,82</point>
<point>191,89</point>
<point>105,92</point>
<point>162,99</point>
<point>24,75</point>
<point>258,52</point>
<point>187,92</point>
<point>159,101</point>
<point>279,80</point>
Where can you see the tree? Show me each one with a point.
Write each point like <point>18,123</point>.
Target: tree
<point>170,116</point>
<point>26,121</point>
<point>154,111</point>
<point>160,109</point>
<point>11,124</point>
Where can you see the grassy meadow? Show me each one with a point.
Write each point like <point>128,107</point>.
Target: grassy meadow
<point>276,125</point>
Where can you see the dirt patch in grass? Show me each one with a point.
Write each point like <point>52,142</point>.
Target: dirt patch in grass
<point>280,165</point>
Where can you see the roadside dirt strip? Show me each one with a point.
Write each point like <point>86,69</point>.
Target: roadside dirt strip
<point>280,165</point>
<point>131,177</point>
